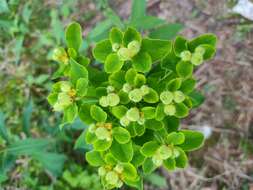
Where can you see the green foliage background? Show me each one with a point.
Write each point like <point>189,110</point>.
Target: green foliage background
<point>34,153</point>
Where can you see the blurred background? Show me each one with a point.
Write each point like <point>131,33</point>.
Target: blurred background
<point>36,155</point>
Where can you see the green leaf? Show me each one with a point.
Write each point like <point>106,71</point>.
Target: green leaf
<point>27,146</point>
<point>4,7</point>
<point>122,152</point>
<point>90,138</point>
<point>116,36</point>
<point>102,145</point>
<point>170,61</point>
<point>209,39</point>
<point>193,140</point>
<point>154,124</point>
<point>109,159</point>
<point>159,112</point>
<point>81,142</point>
<point>148,22</point>
<point>84,114</point>
<point>180,45</point>
<point>138,184</point>
<point>115,19</point>
<point>102,50</point>
<point>121,135</point>
<point>149,112</point>
<point>142,62</point>
<point>77,71</point>
<point>70,113</point>
<point>131,35</point>
<point>151,97</point>
<point>113,63</point>
<point>184,69</point>
<point>169,164</point>
<point>138,10</point>
<point>197,98</point>
<point>148,166</point>
<point>129,171</point>
<point>94,158</point>
<point>117,79</point>
<point>73,36</point>
<point>130,76</point>
<point>138,158</point>
<point>166,32</point>
<point>175,138</point>
<point>100,31</point>
<point>82,86</point>
<point>174,84</point>
<point>209,51</point>
<point>157,49</point>
<point>53,162</point>
<point>26,119</point>
<point>149,148</point>
<point>181,160</point>
<point>181,110</point>
<point>172,124</point>
<point>157,180</point>
<point>119,111</point>
<point>98,113</point>
<point>188,85</point>
<point>3,130</point>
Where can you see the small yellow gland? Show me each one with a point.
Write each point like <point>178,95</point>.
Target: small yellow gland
<point>135,95</point>
<point>124,54</point>
<point>112,178</point>
<point>197,59</point>
<point>170,109</point>
<point>166,97</point>
<point>186,55</point>
<point>165,152</point>
<point>60,55</point>
<point>115,47</point>
<point>118,168</point>
<point>178,96</point>
<point>133,114</point>
<point>134,47</point>
<point>72,93</point>
<point>103,134</point>
<point>124,121</point>
<point>65,86</point>
<point>200,50</point>
<point>113,99</point>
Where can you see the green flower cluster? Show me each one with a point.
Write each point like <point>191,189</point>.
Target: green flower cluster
<point>133,105</point>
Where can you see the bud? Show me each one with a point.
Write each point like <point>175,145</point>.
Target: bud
<point>165,152</point>
<point>103,134</point>
<point>175,152</point>
<point>110,89</point>
<point>65,86</point>
<point>157,160</point>
<point>133,114</point>
<point>141,121</point>
<point>115,47</point>
<point>169,109</point>
<point>112,178</point>
<point>119,184</point>
<point>60,55</point>
<point>92,128</point>
<point>124,121</point>
<point>166,97</point>
<point>118,168</point>
<point>185,55</point>
<point>134,47</point>
<point>64,99</point>
<point>124,54</point>
<point>200,50</point>
<point>144,90</point>
<point>101,171</point>
<point>103,101</point>
<point>135,95</point>
<point>127,87</point>
<point>113,99</point>
<point>197,59</point>
<point>178,96</point>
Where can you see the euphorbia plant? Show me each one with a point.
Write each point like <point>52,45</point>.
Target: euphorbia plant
<point>132,101</point>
